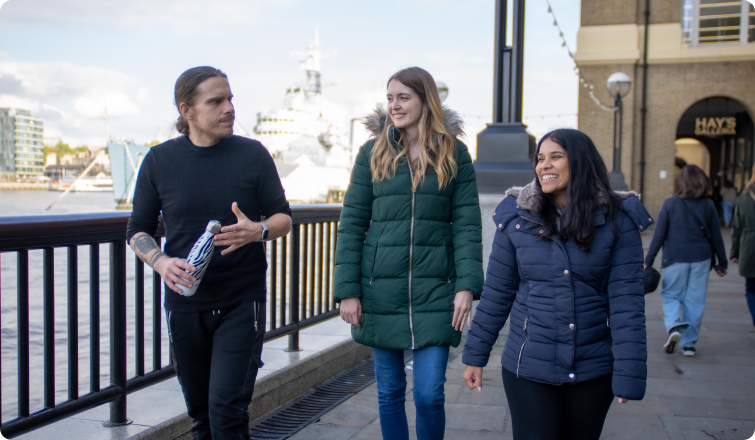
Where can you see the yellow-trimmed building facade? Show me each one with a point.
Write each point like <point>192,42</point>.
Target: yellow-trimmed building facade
<point>700,93</point>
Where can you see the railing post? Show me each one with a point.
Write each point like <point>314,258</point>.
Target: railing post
<point>293,300</point>
<point>23,332</point>
<point>118,332</point>
<point>94,317</point>
<point>48,329</point>
<point>73,323</point>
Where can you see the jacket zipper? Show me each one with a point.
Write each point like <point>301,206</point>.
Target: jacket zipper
<point>533,221</point>
<point>411,253</point>
<point>558,242</point>
<point>521,350</point>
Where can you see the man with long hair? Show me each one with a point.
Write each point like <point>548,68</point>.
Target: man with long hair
<point>209,174</point>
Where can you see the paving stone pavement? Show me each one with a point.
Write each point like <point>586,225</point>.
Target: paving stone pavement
<point>709,396</point>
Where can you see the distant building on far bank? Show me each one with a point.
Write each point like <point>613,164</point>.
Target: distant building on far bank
<point>21,146</point>
<point>700,99</point>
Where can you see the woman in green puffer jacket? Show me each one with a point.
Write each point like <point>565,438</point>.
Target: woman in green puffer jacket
<point>743,241</point>
<point>409,253</point>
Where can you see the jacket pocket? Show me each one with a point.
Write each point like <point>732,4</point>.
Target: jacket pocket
<point>608,340</point>
<point>450,272</point>
<point>374,260</point>
<point>521,350</point>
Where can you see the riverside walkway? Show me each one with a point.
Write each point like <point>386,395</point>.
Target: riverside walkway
<point>709,396</point>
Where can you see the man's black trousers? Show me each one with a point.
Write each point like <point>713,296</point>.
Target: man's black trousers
<point>217,354</point>
<point>557,412</point>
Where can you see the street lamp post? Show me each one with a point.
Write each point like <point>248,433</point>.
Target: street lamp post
<point>618,86</point>
<point>505,147</point>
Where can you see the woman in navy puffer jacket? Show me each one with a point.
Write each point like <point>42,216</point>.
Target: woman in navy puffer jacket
<point>567,266</point>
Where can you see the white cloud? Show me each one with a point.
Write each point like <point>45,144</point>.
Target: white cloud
<point>186,14</point>
<point>94,103</point>
<point>72,98</point>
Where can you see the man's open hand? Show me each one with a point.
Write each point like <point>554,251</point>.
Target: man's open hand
<point>240,234</point>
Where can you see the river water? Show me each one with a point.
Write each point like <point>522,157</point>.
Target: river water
<point>18,203</point>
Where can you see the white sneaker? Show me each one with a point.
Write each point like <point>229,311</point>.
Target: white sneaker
<point>688,351</point>
<point>673,339</point>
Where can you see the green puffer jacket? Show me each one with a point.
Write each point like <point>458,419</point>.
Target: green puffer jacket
<point>743,235</point>
<point>405,254</point>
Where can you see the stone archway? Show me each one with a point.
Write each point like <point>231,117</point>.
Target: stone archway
<point>692,151</point>
<point>725,127</point>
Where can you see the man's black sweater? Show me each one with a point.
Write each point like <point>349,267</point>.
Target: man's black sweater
<point>192,185</point>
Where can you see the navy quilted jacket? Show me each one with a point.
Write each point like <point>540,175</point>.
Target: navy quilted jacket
<point>575,316</point>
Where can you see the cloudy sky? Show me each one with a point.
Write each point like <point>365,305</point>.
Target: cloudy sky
<point>66,59</point>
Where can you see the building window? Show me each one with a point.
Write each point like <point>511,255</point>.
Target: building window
<point>706,22</point>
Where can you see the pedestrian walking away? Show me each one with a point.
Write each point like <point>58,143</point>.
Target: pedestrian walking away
<point>566,269</point>
<point>729,199</point>
<point>209,174</point>
<point>409,255</point>
<point>688,229</point>
<point>743,241</point>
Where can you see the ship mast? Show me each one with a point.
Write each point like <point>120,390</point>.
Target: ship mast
<point>311,65</point>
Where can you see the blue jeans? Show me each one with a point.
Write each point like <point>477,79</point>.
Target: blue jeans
<point>429,397</point>
<point>728,208</point>
<point>684,289</point>
<point>750,294</point>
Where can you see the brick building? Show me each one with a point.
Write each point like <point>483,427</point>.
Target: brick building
<point>700,96</point>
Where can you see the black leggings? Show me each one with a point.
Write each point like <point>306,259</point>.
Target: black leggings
<point>551,412</point>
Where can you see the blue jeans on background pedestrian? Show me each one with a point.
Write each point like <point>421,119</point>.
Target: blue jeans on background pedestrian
<point>728,208</point>
<point>428,386</point>
<point>750,294</point>
<point>684,290</point>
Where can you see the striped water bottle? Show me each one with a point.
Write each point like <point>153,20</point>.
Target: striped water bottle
<point>200,256</point>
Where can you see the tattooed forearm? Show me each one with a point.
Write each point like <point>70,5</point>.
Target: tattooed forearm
<point>144,244</point>
<point>146,248</point>
<point>155,257</point>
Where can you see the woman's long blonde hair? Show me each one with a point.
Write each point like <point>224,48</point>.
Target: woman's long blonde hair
<point>439,144</point>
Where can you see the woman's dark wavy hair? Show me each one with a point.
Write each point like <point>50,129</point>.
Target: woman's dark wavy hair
<point>588,179</point>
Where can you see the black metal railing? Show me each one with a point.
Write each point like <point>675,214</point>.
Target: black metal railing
<point>299,295</point>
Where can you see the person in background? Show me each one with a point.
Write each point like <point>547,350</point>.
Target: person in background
<point>729,198</point>
<point>409,254</point>
<point>687,253</point>
<point>743,241</point>
<point>566,265</point>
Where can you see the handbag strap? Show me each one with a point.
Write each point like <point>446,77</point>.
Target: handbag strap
<point>699,223</point>
<point>705,232</point>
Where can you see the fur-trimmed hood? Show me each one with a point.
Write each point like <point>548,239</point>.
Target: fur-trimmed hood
<point>375,121</point>
<point>527,198</point>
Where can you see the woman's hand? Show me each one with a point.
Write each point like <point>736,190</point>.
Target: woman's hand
<point>734,260</point>
<point>473,377</point>
<point>351,311</point>
<point>720,272</point>
<point>462,309</point>
<point>622,400</point>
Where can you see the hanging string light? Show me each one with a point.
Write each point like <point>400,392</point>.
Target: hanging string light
<point>582,80</point>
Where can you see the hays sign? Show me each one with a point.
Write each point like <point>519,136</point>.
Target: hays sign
<point>715,126</point>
